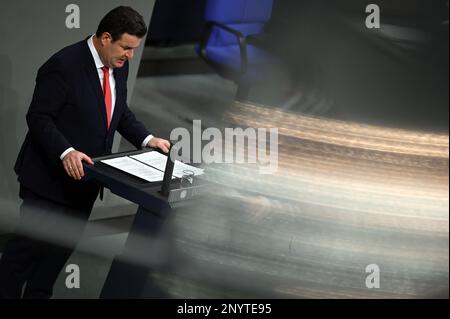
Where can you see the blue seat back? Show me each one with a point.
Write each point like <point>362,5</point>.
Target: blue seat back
<point>245,16</point>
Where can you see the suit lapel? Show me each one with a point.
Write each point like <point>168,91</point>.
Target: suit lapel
<point>92,75</point>
<point>119,96</point>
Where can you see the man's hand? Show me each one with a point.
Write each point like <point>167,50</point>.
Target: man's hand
<point>160,143</point>
<point>73,166</point>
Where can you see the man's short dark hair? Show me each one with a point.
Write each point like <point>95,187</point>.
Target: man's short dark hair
<point>122,20</point>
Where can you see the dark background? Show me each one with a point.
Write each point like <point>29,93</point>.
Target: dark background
<point>395,76</point>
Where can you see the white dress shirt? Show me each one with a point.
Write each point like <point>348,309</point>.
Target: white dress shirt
<point>112,84</point>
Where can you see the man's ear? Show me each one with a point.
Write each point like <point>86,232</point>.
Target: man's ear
<point>106,38</point>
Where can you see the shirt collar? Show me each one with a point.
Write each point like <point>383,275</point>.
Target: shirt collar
<point>98,62</point>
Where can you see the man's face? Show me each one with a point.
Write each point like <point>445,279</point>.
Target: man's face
<point>115,54</point>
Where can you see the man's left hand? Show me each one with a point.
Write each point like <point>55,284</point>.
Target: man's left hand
<point>162,144</point>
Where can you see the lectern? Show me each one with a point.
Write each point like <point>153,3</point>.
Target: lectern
<point>144,250</point>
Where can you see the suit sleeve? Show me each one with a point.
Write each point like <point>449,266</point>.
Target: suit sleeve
<point>129,127</point>
<point>48,98</point>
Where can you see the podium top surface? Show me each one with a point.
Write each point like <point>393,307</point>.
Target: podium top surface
<point>132,188</point>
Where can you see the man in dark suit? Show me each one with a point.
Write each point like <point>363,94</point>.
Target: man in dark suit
<point>78,103</point>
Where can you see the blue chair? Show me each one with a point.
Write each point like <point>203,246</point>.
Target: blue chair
<point>227,44</point>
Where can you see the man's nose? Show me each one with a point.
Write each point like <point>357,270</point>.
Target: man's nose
<point>130,54</point>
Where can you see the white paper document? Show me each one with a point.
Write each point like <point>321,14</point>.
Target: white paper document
<point>135,168</point>
<point>149,166</point>
<point>158,161</point>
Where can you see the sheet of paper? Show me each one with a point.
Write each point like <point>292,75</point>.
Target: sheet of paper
<point>180,167</point>
<point>135,168</point>
<point>158,161</point>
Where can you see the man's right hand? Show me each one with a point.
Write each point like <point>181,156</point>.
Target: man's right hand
<point>72,164</point>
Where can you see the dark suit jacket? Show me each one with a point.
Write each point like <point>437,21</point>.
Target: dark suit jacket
<point>68,110</point>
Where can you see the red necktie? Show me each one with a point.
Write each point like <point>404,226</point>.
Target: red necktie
<point>107,93</point>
